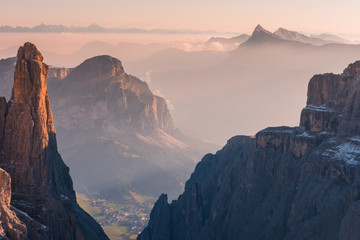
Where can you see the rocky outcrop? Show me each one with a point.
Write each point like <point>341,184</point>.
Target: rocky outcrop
<point>10,225</point>
<point>42,189</point>
<point>58,73</point>
<point>108,98</point>
<point>116,135</point>
<point>7,67</point>
<point>285,183</point>
<point>333,103</point>
<point>6,76</point>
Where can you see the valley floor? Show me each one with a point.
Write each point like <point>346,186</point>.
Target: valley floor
<point>120,221</point>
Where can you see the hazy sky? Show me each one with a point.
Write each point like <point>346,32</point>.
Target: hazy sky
<point>226,15</point>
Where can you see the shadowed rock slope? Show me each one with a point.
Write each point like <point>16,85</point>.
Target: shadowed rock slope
<point>42,192</point>
<point>285,183</point>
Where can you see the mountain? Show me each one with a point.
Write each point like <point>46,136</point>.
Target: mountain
<point>332,38</point>
<point>118,139</point>
<point>43,202</point>
<point>295,36</point>
<point>262,36</point>
<point>284,183</point>
<point>95,28</point>
<point>224,87</point>
<point>228,43</point>
<point>117,135</point>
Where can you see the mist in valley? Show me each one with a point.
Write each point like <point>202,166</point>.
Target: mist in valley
<point>135,128</point>
<point>215,87</point>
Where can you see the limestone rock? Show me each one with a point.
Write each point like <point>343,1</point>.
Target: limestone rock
<point>333,102</point>
<point>7,76</point>
<point>285,183</point>
<point>116,135</point>
<point>103,96</point>
<point>41,186</point>
<point>10,225</point>
<point>58,73</point>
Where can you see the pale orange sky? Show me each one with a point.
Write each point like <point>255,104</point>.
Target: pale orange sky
<point>226,15</point>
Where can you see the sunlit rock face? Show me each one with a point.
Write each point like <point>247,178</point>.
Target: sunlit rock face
<point>115,134</point>
<point>42,190</point>
<point>104,96</point>
<point>284,183</point>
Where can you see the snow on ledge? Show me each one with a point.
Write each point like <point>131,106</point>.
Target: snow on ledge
<point>347,152</point>
<point>318,108</point>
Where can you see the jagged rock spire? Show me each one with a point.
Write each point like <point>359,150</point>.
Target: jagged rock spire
<point>40,181</point>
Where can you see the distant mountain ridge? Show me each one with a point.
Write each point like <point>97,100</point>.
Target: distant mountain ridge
<point>295,36</point>
<point>248,72</point>
<point>228,43</point>
<point>261,35</point>
<point>95,28</point>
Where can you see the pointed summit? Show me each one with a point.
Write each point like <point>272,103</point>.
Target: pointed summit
<point>261,35</point>
<point>40,182</point>
<point>260,29</point>
<point>282,36</point>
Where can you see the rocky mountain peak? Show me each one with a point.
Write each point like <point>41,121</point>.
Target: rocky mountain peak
<point>104,96</point>
<point>29,52</point>
<point>30,77</point>
<point>260,35</point>
<point>353,69</point>
<point>40,181</point>
<point>97,69</point>
<point>260,29</point>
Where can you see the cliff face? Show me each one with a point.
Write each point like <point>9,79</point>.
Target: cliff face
<point>6,76</point>
<point>116,135</point>
<point>285,183</point>
<point>10,225</point>
<point>104,96</point>
<point>40,181</point>
<point>333,103</point>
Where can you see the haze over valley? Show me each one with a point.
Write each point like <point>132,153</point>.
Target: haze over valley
<point>188,120</point>
<point>197,71</point>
